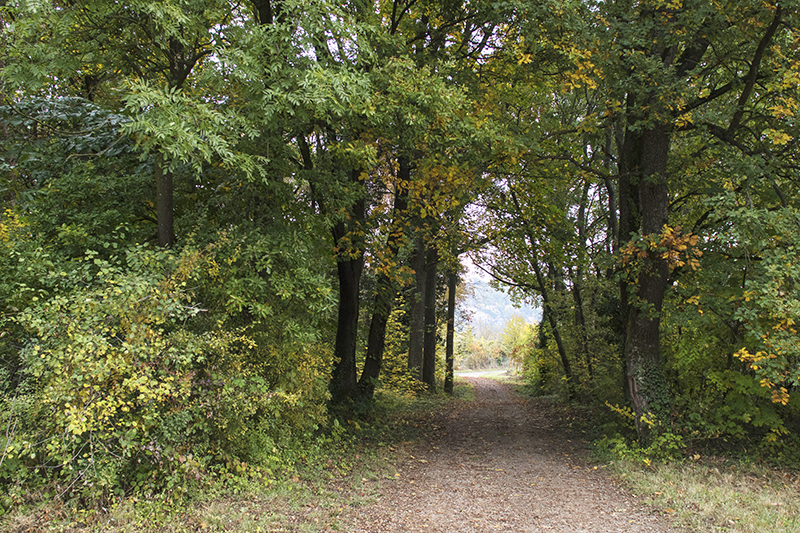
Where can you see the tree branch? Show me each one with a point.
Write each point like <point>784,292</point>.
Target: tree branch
<point>752,75</point>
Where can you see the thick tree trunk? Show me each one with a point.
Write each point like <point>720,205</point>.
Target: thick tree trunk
<point>376,341</point>
<point>644,205</point>
<point>164,203</point>
<point>267,11</point>
<point>645,367</point>
<point>417,328</point>
<point>343,377</point>
<point>630,150</point>
<point>452,283</point>
<point>429,340</point>
<point>343,385</point>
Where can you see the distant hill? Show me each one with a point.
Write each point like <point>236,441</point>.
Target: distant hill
<point>494,308</point>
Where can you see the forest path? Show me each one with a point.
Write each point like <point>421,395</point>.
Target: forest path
<point>500,463</point>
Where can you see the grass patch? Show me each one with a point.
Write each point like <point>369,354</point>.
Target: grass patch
<point>718,495</point>
<point>463,389</point>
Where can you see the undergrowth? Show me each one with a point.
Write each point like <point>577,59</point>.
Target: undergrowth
<point>304,486</point>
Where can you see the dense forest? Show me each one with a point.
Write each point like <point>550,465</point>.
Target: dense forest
<point>224,221</point>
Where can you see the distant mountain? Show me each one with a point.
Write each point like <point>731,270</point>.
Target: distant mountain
<point>494,308</point>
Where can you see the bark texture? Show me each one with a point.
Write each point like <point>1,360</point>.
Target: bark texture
<point>452,283</point>
<point>343,377</point>
<point>645,367</point>
<point>164,203</point>
<point>343,385</point>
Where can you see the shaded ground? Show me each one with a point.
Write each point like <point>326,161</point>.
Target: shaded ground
<point>500,463</point>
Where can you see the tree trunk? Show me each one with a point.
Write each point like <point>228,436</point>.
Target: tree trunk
<point>645,366</point>
<point>343,385</point>
<point>417,329</point>
<point>577,282</point>
<point>165,212</point>
<point>377,337</point>
<point>267,11</point>
<point>613,228</point>
<point>343,378</point>
<point>643,165</point>
<point>429,340</point>
<point>630,151</point>
<point>552,318</point>
<point>452,283</point>
<point>580,320</point>
<point>549,310</point>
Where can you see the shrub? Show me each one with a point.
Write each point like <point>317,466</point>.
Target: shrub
<point>123,382</point>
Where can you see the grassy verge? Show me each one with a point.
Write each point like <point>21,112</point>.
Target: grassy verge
<point>718,495</point>
<point>306,492</point>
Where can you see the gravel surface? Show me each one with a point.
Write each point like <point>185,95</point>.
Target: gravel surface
<point>500,463</point>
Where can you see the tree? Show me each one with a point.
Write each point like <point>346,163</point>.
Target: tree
<point>147,52</point>
<point>664,63</point>
<point>449,359</point>
<point>448,38</point>
<point>516,338</point>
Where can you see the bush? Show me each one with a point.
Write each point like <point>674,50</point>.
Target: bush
<point>666,446</point>
<point>395,374</point>
<point>122,382</point>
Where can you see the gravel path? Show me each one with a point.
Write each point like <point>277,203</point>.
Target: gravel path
<point>500,463</point>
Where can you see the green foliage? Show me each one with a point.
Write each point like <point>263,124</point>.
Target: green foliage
<point>68,156</point>
<point>395,375</point>
<point>115,391</point>
<point>481,349</point>
<point>102,366</point>
<point>714,400</point>
<point>768,307</point>
<point>665,446</point>
<point>160,125</point>
<point>516,339</point>
<point>729,339</point>
<point>276,284</point>
<point>542,369</point>
<point>124,367</point>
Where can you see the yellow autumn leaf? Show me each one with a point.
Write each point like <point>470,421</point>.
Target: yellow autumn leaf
<point>778,137</point>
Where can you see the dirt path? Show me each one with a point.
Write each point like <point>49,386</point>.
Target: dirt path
<point>500,463</point>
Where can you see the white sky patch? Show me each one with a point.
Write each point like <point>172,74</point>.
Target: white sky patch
<point>473,273</point>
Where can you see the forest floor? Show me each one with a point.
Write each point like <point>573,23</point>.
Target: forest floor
<point>500,463</point>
